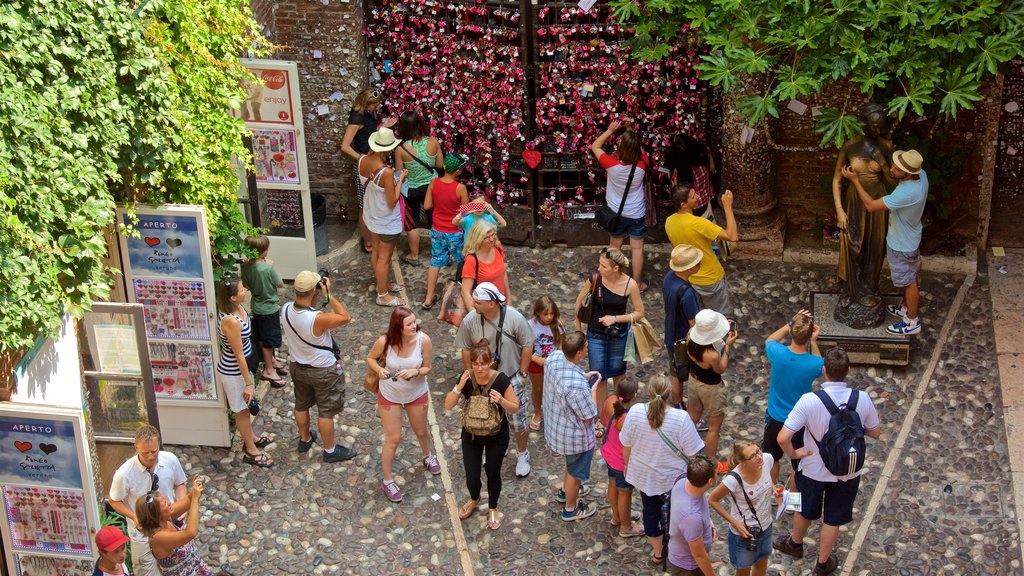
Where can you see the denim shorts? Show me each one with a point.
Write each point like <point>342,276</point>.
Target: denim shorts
<point>445,248</point>
<point>632,227</point>
<point>578,465</point>
<point>607,353</point>
<point>740,557</point>
<point>619,477</point>
<point>903,266</point>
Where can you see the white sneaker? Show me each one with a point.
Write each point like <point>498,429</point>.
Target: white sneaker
<point>523,464</point>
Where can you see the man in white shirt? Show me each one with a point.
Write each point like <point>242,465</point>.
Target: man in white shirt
<point>820,489</point>
<point>150,470</point>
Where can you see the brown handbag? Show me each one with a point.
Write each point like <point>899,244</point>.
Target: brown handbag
<point>372,379</point>
<point>587,306</point>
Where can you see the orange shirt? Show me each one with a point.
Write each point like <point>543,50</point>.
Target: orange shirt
<point>493,271</point>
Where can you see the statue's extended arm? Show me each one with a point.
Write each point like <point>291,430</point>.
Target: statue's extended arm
<point>837,190</point>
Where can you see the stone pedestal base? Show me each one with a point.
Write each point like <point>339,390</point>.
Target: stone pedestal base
<point>762,236</point>
<point>863,346</point>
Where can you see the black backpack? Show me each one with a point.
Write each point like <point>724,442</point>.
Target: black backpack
<point>842,448</point>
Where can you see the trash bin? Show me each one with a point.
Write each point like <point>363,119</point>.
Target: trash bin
<point>319,208</point>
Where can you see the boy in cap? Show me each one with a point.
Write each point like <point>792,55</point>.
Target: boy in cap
<point>113,547</point>
<point>511,338</point>
<point>903,240</point>
<point>445,196</point>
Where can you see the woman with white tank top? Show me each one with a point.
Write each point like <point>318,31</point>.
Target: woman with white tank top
<point>402,357</point>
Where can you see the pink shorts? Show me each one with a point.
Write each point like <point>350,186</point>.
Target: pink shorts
<point>385,403</point>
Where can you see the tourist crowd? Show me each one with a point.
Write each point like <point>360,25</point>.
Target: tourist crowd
<point>523,373</point>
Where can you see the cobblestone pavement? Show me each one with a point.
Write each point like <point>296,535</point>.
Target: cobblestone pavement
<point>943,505</point>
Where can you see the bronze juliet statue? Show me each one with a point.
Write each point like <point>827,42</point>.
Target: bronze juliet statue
<point>862,233</point>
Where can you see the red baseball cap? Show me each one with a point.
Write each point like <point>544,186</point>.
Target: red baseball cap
<point>109,538</point>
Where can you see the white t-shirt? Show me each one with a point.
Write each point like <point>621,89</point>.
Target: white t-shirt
<point>760,495</point>
<point>133,479</point>
<point>811,413</point>
<point>653,466</point>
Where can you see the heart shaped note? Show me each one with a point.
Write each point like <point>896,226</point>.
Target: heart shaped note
<point>173,242</point>
<point>532,158</point>
<point>22,446</point>
<point>48,448</point>
<point>151,242</point>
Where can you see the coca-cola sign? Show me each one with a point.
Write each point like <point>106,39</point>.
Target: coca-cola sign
<point>274,79</point>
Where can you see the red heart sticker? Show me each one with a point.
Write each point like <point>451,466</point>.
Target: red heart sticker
<point>532,158</point>
<point>22,446</point>
<point>151,242</point>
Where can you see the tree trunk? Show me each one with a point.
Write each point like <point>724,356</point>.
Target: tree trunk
<point>747,171</point>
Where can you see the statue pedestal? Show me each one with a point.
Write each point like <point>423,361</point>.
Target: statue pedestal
<point>863,346</point>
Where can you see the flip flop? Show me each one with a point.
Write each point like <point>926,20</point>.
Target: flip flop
<point>535,425</point>
<point>393,303</point>
<point>281,370</point>
<point>599,432</point>
<point>633,515</point>
<point>395,288</point>
<point>635,529</point>
<point>468,509</point>
<point>411,261</point>
<point>493,519</point>
<point>264,441</point>
<point>260,460</point>
<point>657,560</point>
<point>644,286</point>
<point>274,382</point>
<point>428,305</point>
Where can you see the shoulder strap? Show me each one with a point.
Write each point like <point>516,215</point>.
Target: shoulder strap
<point>827,401</point>
<point>296,332</point>
<point>629,182</point>
<point>851,402</point>
<point>681,291</point>
<point>750,504</point>
<point>376,175</point>
<point>416,158</point>
<point>669,443</point>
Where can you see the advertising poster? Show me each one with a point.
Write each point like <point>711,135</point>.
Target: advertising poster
<point>268,101</point>
<point>47,519</point>
<point>34,451</point>
<point>183,371</point>
<point>173,308</point>
<point>167,246</point>
<point>274,156</point>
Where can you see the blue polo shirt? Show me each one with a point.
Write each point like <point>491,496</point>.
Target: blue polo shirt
<point>678,312</point>
<point>906,205</point>
<point>791,377</point>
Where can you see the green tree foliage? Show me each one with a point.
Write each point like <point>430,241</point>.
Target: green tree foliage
<point>927,57</point>
<point>105,102</point>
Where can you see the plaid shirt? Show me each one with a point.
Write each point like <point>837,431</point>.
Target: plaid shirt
<point>702,185</point>
<point>567,403</point>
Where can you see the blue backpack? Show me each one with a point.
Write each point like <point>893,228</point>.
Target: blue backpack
<point>842,448</point>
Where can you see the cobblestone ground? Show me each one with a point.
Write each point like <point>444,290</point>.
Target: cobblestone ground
<point>947,507</point>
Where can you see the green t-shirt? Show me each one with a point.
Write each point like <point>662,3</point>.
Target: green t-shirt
<point>262,280</point>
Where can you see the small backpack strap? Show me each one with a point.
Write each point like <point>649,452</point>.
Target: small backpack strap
<point>851,402</point>
<point>827,401</point>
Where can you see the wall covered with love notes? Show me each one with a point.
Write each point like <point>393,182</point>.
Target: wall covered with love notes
<point>525,88</point>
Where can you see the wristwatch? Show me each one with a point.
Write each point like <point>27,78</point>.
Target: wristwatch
<point>522,374</point>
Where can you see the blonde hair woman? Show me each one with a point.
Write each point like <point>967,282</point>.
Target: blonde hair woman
<point>613,293</point>
<point>750,488</point>
<point>484,262</point>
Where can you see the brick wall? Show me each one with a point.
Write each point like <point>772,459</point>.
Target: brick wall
<point>334,28</point>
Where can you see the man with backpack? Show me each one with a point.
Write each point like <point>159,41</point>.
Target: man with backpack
<point>681,307</point>
<point>511,340</point>
<point>835,420</point>
<point>569,413</point>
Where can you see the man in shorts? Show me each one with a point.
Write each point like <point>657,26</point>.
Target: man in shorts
<point>824,495</point>
<point>569,413</point>
<point>318,381</point>
<point>681,307</point>
<point>684,227</point>
<point>794,369</point>
<point>490,315</point>
<point>903,240</point>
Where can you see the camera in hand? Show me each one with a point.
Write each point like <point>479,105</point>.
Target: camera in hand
<point>614,331</point>
<point>324,275</point>
<point>752,542</point>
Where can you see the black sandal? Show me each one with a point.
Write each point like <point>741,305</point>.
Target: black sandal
<point>428,305</point>
<point>260,460</point>
<point>274,382</point>
<point>264,441</point>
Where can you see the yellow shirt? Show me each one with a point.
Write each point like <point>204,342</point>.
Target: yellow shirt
<point>697,232</point>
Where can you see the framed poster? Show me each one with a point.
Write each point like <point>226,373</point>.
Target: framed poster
<point>167,246</point>
<point>49,512</point>
<point>33,565</point>
<point>270,99</point>
<point>275,156</point>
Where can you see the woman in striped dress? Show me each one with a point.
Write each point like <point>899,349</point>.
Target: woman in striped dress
<point>233,368</point>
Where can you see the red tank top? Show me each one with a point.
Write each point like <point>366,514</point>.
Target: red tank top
<point>446,205</point>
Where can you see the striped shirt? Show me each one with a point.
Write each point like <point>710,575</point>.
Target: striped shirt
<point>228,364</point>
<point>653,466</point>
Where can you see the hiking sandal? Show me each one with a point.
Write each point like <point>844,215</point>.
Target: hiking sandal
<point>260,460</point>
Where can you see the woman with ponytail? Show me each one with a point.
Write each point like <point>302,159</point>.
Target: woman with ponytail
<point>620,492</point>
<point>658,441</point>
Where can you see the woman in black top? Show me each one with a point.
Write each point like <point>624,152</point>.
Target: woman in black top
<point>609,322</point>
<point>474,446</point>
<point>362,122</point>
<point>708,345</point>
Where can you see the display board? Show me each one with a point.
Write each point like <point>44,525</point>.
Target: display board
<point>167,269</point>
<point>273,112</point>
<point>49,514</point>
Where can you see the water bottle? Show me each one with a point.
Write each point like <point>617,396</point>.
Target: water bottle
<point>714,248</point>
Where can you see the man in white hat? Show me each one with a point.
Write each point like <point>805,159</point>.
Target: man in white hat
<point>307,330</point>
<point>681,307</point>
<point>511,339</point>
<point>903,240</point>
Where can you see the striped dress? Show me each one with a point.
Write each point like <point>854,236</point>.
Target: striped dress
<point>228,364</point>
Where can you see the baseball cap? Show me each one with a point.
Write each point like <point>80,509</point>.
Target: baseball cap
<point>109,538</point>
<point>306,281</point>
<point>453,162</point>
<point>487,291</point>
